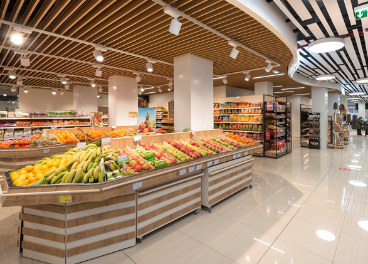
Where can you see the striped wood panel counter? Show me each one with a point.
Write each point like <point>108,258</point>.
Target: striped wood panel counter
<point>161,205</point>
<point>223,180</point>
<point>75,233</point>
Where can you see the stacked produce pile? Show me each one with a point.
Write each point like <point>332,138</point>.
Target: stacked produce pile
<point>210,144</point>
<point>160,154</point>
<point>196,144</point>
<point>173,152</point>
<point>65,137</point>
<point>127,132</point>
<point>24,141</point>
<point>198,149</point>
<point>44,141</point>
<point>244,140</point>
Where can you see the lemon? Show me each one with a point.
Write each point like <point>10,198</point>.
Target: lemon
<point>32,179</point>
<point>22,171</point>
<point>22,177</point>
<point>14,174</point>
<point>29,168</point>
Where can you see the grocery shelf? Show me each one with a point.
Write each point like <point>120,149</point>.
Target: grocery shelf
<point>249,131</point>
<point>47,126</point>
<point>237,114</point>
<point>256,123</point>
<point>237,108</point>
<point>36,118</point>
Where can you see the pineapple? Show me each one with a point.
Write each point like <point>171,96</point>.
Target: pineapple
<point>147,122</point>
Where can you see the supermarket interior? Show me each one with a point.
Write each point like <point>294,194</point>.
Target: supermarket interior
<point>183,131</point>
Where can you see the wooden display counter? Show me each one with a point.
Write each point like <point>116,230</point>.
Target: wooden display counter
<point>71,223</point>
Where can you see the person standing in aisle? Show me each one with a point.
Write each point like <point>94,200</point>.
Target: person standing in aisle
<point>359,125</point>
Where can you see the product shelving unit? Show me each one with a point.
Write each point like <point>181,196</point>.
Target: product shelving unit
<point>304,125</point>
<point>289,143</point>
<point>314,131</point>
<point>329,131</point>
<point>277,127</point>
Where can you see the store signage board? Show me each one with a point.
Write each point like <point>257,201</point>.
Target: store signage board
<point>137,185</point>
<point>216,162</point>
<point>361,12</point>
<point>46,151</point>
<point>81,145</point>
<point>344,169</point>
<point>137,138</point>
<point>182,172</point>
<point>191,169</point>
<point>199,167</point>
<point>209,164</point>
<point>65,199</point>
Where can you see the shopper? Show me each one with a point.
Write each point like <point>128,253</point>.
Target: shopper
<point>359,124</point>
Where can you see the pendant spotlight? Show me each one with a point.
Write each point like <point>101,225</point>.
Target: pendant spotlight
<point>160,90</point>
<point>247,76</point>
<point>169,89</point>
<point>100,89</point>
<point>24,60</point>
<point>25,90</point>
<point>149,65</point>
<point>63,80</point>
<point>269,66</point>
<point>12,75</point>
<point>224,80</point>
<point>20,80</point>
<point>98,70</point>
<point>142,89</point>
<point>53,91</point>
<point>67,86</point>
<point>13,89</point>
<point>61,92</point>
<point>93,84</point>
<point>97,53</point>
<point>16,36</point>
<point>98,96</point>
<point>139,92</point>
<point>138,78</point>
<point>170,83</point>
<point>175,25</point>
<point>234,52</point>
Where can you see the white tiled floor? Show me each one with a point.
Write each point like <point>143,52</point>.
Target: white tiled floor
<point>275,222</point>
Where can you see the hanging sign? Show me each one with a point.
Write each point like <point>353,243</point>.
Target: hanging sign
<point>361,11</point>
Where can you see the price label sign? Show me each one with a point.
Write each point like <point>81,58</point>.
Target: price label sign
<point>191,169</point>
<point>106,140</point>
<point>216,162</point>
<point>199,167</point>
<point>113,127</point>
<point>46,151</point>
<point>137,185</point>
<point>234,156</point>
<point>65,199</point>
<point>102,163</point>
<point>246,153</point>
<point>238,155</point>
<point>137,138</point>
<point>81,145</point>
<point>123,159</point>
<point>209,164</point>
<point>182,172</point>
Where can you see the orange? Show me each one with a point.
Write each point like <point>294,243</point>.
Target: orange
<point>32,179</point>
<point>39,176</point>
<point>20,184</point>
<point>29,168</point>
<point>26,182</point>
<point>49,163</point>
<point>45,167</point>
<point>14,174</point>
<point>16,182</point>
<point>22,177</point>
<point>22,171</point>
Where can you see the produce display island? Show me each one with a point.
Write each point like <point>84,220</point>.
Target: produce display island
<point>71,223</point>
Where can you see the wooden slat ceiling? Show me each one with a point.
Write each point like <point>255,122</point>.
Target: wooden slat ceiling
<point>140,27</point>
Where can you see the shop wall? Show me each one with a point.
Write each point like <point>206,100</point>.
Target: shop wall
<point>161,100</point>
<point>219,91</point>
<point>39,99</point>
<point>85,99</point>
<point>306,100</point>
<point>295,115</point>
<point>249,99</point>
<point>234,91</point>
<point>103,101</point>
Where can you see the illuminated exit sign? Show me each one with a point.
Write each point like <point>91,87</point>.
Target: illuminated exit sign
<point>361,11</point>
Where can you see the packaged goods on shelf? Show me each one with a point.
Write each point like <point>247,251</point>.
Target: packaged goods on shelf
<point>237,105</point>
<point>274,106</point>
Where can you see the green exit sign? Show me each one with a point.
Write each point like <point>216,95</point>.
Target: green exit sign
<point>361,11</point>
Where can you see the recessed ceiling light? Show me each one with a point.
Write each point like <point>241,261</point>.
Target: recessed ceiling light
<point>292,88</point>
<point>362,80</point>
<point>324,77</point>
<point>326,45</point>
<point>325,235</point>
<point>278,86</point>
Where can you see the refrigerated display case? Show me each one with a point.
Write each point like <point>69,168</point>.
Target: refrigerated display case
<point>314,131</point>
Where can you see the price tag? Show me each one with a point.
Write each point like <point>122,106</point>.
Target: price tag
<point>234,156</point>
<point>65,199</point>
<point>137,138</point>
<point>191,169</point>
<point>81,145</point>
<point>238,155</point>
<point>113,127</point>
<point>193,133</point>
<point>106,140</point>
<point>246,153</point>
<point>123,158</point>
<point>216,162</point>
<point>46,151</point>
<point>102,162</point>
<point>137,185</point>
<point>182,172</point>
<point>199,167</point>
<point>209,164</point>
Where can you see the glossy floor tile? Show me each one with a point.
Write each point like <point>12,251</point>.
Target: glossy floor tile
<point>302,209</point>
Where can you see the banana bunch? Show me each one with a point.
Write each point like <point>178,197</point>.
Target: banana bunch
<point>110,157</point>
<point>83,168</point>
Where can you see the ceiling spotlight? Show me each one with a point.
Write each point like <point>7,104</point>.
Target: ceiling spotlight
<point>269,66</point>
<point>326,45</point>
<point>53,92</point>
<point>224,80</point>
<point>4,94</point>
<point>12,74</point>
<point>175,24</point>
<point>20,81</point>
<point>97,53</point>
<point>98,72</point>
<point>98,96</point>
<point>25,90</point>
<point>169,89</point>
<point>93,84</point>
<point>139,92</point>
<point>63,80</point>
<point>325,77</point>
<point>100,89</point>
<point>61,92</point>
<point>160,90</point>
<point>170,82</point>
<point>247,76</point>
<point>16,36</point>
<point>142,90</point>
<point>13,89</point>
<point>276,72</point>
<point>234,53</point>
<point>138,78</point>
<point>24,61</point>
<point>67,86</point>
<point>149,65</point>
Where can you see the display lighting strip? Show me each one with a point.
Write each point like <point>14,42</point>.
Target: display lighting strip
<point>84,62</point>
<point>94,45</point>
<point>247,72</point>
<point>195,21</point>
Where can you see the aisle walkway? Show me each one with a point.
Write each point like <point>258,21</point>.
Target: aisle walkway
<point>293,200</point>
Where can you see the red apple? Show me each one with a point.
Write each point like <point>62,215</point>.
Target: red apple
<point>138,168</point>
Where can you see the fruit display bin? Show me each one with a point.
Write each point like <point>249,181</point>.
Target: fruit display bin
<point>72,223</point>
